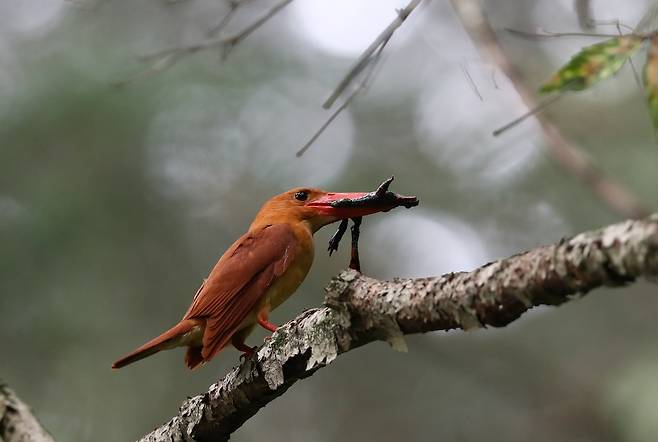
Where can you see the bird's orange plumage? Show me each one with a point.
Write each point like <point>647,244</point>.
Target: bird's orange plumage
<point>258,272</point>
<point>238,282</point>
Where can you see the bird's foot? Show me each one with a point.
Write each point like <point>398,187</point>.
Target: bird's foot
<point>263,322</point>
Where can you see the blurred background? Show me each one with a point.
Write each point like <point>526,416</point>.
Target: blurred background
<point>115,202</point>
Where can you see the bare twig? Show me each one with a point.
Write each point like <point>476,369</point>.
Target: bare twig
<point>161,60</point>
<point>639,30</point>
<point>376,58</point>
<point>233,6</point>
<point>360,310</point>
<point>493,78</point>
<point>468,76</point>
<point>636,75</point>
<point>237,38</point>
<point>534,111</point>
<point>569,156</point>
<point>17,423</point>
<point>648,20</point>
<point>614,22</point>
<point>367,55</point>
<point>543,34</point>
<point>157,66</point>
<point>329,120</point>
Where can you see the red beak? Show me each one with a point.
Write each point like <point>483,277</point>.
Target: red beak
<point>330,205</point>
<point>358,204</point>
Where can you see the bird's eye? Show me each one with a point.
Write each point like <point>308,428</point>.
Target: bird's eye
<point>302,195</point>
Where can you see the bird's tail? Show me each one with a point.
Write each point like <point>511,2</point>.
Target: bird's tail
<point>173,337</point>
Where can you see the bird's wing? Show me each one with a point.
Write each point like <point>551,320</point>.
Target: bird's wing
<point>238,282</point>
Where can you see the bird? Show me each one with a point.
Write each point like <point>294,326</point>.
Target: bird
<point>260,271</point>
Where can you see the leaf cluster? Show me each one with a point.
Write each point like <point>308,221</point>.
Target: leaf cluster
<point>601,61</point>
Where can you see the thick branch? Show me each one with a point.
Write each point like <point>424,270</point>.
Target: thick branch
<point>17,423</point>
<point>360,310</point>
<point>569,156</point>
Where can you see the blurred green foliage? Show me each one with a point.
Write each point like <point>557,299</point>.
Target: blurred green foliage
<point>593,64</point>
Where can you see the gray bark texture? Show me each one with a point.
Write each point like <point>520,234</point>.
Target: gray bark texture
<point>17,423</point>
<point>359,310</point>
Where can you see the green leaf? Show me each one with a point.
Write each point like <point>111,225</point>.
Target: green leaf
<point>651,80</point>
<point>593,64</point>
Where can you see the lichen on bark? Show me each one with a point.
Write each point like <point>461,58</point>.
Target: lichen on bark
<point>359,310</point>
<point>17,423</point>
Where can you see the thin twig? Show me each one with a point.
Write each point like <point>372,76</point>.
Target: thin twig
<point>636,75</point>
<point>166,58</point>
<point>586,20</point>
<point>609,191</point>
<point>468,76</point>
<point>366,56</point>
<point>534,111</point>
<point>614,22</point>
<point>648,19</point>
<point>159,65</point>
<point>493,78</point>
<point>543,34</point>
<point>237,38</point>
<point>233,6</point>
<point>360,88</point>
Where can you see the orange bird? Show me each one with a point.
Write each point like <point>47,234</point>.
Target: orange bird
<point>260,271</point>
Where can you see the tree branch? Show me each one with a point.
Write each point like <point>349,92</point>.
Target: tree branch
<point>545,34</point>
<point>367,56</point>
<point>609,191</point>
<point>233,6</point>
<point>166,58</point>
<point>359,310</point>
<point>17,423</point>
<point>363,85</point>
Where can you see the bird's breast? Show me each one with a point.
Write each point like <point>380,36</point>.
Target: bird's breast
<point>288,283</point>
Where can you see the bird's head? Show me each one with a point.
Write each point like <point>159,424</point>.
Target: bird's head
<point>317,207</point>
